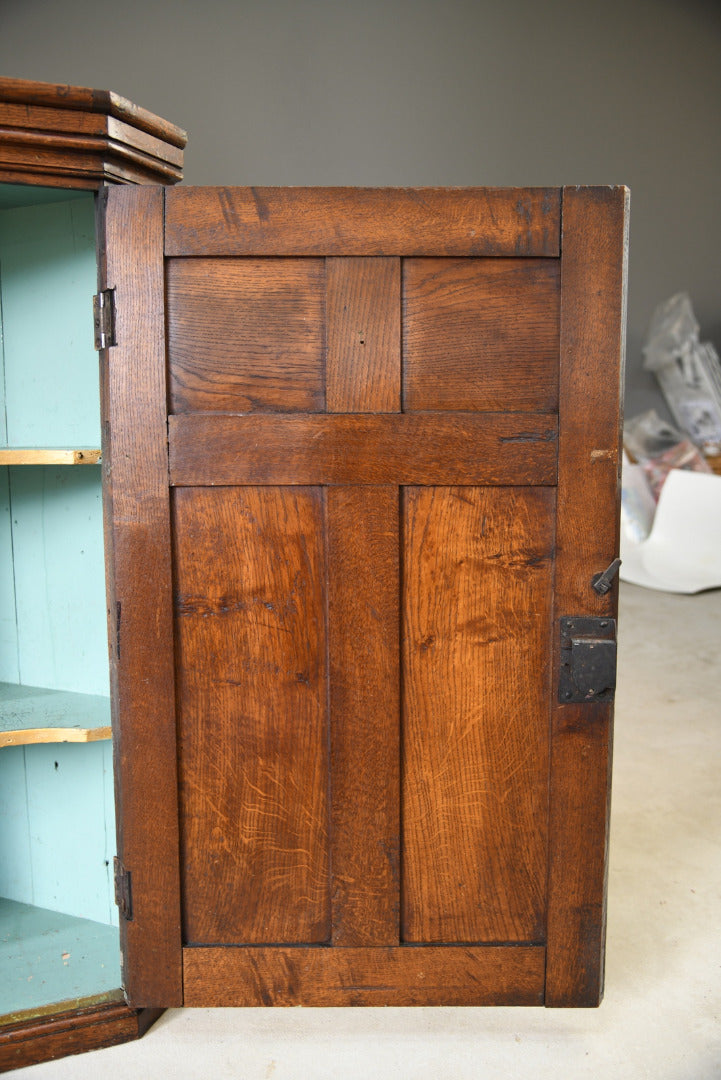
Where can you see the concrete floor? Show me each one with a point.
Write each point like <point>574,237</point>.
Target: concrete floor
<point>662,1014</point>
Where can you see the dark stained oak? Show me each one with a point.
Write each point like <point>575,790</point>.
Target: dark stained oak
<point>363,568</point>
<point>246,335</point>
<point>480,334</point>
<point>75,137</point>
<point>402,976</point>
<point>252,720</point>
<point>417,448</point>
<point>364,326</point>
<point>593,295</point>
<point>140,603</point>
<point>362,221</point>
<point>477,570</point>
<point>71,1031</point>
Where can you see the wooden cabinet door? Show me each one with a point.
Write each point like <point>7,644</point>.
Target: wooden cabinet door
<point>362,456</point>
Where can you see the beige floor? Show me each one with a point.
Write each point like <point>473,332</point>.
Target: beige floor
<point>662,1014</point>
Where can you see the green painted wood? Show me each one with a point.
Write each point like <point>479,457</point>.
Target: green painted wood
<point>13,196</point>
<point>47,958</point>
<point>71,841</point>
<point>9,671</point>
<point>59,578</point>
<point>48,277</point>
<point>24,707</point>
<point>16,877</point>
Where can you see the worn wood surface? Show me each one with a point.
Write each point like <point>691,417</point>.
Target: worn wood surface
<point>246,335</point>
<point>363,589</point>
<point>413,975</point>
<point>47,1038</point>
<point>363,221</point>
<point>68,136</point>
<point>363,311</point>
<point>33,456</point>
<point>251,669</point>
<point>60,96</point>
<point>591,375</point>
<point>480,334</point>
<point>140,609</point>
<point>455,448</point>
<point>476,601</point>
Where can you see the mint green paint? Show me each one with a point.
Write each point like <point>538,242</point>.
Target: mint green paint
<point>23,707</point>
<point>8,624</point>
<point>56,800</point>
<point>48,275</point>
<point>57,534</point>
<point>16,879</point>
<point>47,958</point>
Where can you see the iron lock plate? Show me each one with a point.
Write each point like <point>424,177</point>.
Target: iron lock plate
<point>588,659</point>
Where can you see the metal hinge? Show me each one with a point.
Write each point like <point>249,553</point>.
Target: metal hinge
<point>123,891</point>
<point>104,318</point>
<point>588,659</point>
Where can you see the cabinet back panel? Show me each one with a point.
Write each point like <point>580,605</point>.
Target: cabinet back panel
<point>59,577</point>
<point>48,277</point>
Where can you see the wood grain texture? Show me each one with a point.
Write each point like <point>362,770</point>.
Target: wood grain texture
<point>593,290</point>
<point>364,707</point>
<point>60,96</point>
<point>363,221</point>
<point>140,607</point>
<point>413,975</point>
<point>476,573</point>
<point>246,334</point>
<point>363,307</point>
<point>480,334</point>
<point>418,448</point>
<point>75,1032</point>
<point>253,741</point>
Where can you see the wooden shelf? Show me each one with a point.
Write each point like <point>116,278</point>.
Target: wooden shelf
<point>26,455</point>
<point>34,714</point>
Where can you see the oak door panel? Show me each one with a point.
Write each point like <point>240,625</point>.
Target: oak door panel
<point>480,334</point>
<point>477,568</point>
<point>246,334</point>
<point>252,718</point>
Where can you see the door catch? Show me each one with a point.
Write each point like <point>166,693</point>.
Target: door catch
<point>602,583</point>
<point>588,659</point>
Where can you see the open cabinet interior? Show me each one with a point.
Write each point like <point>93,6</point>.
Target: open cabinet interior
<point>58,920</point>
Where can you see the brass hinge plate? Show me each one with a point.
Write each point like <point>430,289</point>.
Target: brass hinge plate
<point>104,318</point>
<point>588,659</point>
<point>123,890</point>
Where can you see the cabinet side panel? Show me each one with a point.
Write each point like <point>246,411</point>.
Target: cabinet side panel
<point>476,593</point>
<point>593,283</point>
<point>137,515</point>
<point>251,648</point>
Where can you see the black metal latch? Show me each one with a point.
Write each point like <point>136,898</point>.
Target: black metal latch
<point>588,659</point>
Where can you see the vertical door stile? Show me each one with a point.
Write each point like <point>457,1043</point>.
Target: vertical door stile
<point>593,287</point>
<point>136,497</point>
<point>363,375</point>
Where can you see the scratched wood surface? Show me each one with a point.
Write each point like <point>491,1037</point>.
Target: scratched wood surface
<point>252,719</point>
<point>246,335</point>
<point>477,568</point>
<point>480,334</point>
<point>362,448</point>
<point>593,296</point>
<point>418,975</point>
<point>139,571</point>
<point>362,221</point>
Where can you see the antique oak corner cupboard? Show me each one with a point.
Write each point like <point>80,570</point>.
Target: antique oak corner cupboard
<point>361,453</point>
<point>361,463</point>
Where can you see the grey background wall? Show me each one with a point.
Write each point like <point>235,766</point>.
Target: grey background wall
<point>507,92</point>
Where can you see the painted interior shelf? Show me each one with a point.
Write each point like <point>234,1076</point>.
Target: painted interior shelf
<point>34,455</point>
<point>34,714</point>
